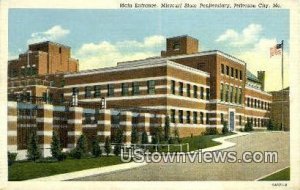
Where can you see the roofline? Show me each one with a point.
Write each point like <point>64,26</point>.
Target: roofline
<point>181,36</point>
<point>50,42</point>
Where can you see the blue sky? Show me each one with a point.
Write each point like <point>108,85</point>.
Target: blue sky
<point>100,38</point>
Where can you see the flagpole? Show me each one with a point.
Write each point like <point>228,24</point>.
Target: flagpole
<point>282,85</point>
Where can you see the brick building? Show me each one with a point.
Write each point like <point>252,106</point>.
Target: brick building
<point>196,89</point>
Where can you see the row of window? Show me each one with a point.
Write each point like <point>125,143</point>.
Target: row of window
<point>257,122</point>
<point>188,117</point>
<point>230,71</point>
<point>223,119</point>
<point>231,94</point>
<point>111,89</point>
<point>254,103</point>
<point>188,90</point>
<point>23,72</point>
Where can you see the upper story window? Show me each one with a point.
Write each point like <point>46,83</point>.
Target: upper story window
<point>227,70</point>
<point>195,91</point>
<point>135,88</point>
<point>172,116</point>
<point>188,90</point>
<point>173,87</point>
<point>180,88</point>
<point>188,117</point>
<point>236,73</point>
<point>232,72</point>
<point>88,91</point>
<point>180,116</point>
<point>241,75</point>
<point>151,87</point>
<point>75,91</point>
<point>222,69</point>
<point>97,93</point>
<point>207,93</point>
<point>176,46</point>
<point>195,117</point>
<point>201,118</point>
<point>222,92</point>
<point>125,91</point>
<point>110,90</point>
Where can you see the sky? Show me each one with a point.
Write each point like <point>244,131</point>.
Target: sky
<point>103,37</point>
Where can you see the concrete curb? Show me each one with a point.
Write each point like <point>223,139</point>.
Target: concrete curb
<point>89,172</point>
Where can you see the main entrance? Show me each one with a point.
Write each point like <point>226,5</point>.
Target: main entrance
<point>231,119</point>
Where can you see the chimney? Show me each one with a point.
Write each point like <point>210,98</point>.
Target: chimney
<point>261,78</point>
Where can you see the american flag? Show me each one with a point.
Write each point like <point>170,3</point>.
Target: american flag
<point>276,50</point>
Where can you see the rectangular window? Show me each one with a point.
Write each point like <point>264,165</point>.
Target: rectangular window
<point>231,93</point>
<point>173,87</point>
<point>236,95</point>
<point>222,118</point>
<point>75,91</point>
<point>236,73</point>
<point>222,92</point>
<point>248,102</point>
<point>226,93</point>
<point>180,88</point>
<point>125,89</point>
<point>227,70</point>
<point>180,115</point>
<point>241,75</point>
<point>151,87</point>
<point>97,93</point>
<point>251,103</point>
<point>188,90</point>
<point>240,120</point>
<point>188,117</point>
<point>195,117</point>
<point>135,88</point>
<point>172,116</point>
<point>258,104</point>
<point>202,93</point>
<point>207,118</point>
<point>207,94</point>
<point>201,118</point>
<point>222,69</point>
<point>195,91</point>
<point>255,102</point>
<point>110,90</point>
<point>232,72</point>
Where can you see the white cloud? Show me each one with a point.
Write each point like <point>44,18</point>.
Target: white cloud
<point>249,35</point>
<point>105,54</point>
<point>53,34</point>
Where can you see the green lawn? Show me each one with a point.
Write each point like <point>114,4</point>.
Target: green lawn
<point>29,170</point>
<point>283,175</point>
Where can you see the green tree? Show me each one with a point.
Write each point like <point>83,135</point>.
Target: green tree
<point>55,146</point>
<point>134,135</point>
<point>107,146</point>
<point>144,138</point>
<point>33,150</point>
<point>248,127</point>
<point>270,125</point>
<point>82,144</point>
<point>11,158</point>
<point>96,150</point>
<point>225,128</point>
<point>119,140</point>
<point>167,128</point>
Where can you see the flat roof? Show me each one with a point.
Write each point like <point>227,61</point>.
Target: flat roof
<point>49,42</point>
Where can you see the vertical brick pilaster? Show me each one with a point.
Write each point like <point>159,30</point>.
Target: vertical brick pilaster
<point>74,125</point>
<point>103,124</point>
<point>44,122</point>
<point>126,125</point>
<point>12,127</point>
<point>144,123</point>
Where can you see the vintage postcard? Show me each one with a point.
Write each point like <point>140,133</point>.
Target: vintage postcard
<point>150,94</point>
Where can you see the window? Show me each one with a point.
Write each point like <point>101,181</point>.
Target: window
<point>241,75</point>
<point>88,92</point>
<point>188,90</point>
<point>222,92</point>
<point>125,90</point>
<point>75,91</point>
<point>176,46</point>
<point>195,117</point>
<point>236,73</point>
<point>151,87</point>
<point>110,90</point>
<point>59,51</point>
<point>180,88</point>
<point>97,93</point>
<point>188,117</point>
<point>232,72</point>
<point>258,103</point>
<point>195,91</point>
<point>202,93</point>
<point>255,124</point>
<point>173,87</point>
<point>240,120</point>
<point>207,94</point>
<point>237,93</point>
<point>248,102</point>
<point>135,88</point>
<point>222,69</point>
<point>227,70</point>
<point>180,115</point>
<point>201,118</point>
<point>207,118</point>
<point>62,98</point>
<point>231,93</point>
<point>172,116</point>
<point>251,105</point>
<point>226,93</point>
<point>255,102</point>
<point>62,83</point>
<point>222,118</point>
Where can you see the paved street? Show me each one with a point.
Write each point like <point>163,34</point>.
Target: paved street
<point>259,141</point>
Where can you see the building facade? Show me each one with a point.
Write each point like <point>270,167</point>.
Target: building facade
<point>195,89</point>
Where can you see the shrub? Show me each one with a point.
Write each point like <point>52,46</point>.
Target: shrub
<point>107,146</point>
<point>144,138</point>
<point>176,135</point>
<point>11,158</point>
<point>167,128</point>
<point>225,128</point>
<point>76,153</point>
<point>134,135</point>
<point>96,150</point>
<point>62,156</point>
<point>154,139</point>
<point>55,147</point>
<point>211,131</point>
<point>248,127</point>
<point>33,150</point>
<point>270,125</point>
<point>82,144</point>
